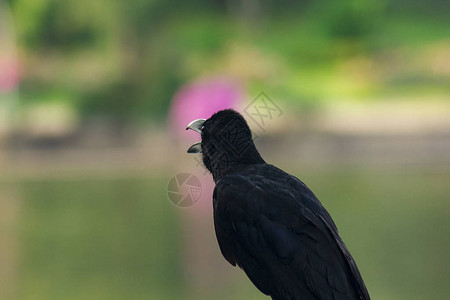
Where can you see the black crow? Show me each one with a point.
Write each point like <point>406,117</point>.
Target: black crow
<point>270,223</point>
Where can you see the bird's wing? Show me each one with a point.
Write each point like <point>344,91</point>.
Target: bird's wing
<point>283,246</point>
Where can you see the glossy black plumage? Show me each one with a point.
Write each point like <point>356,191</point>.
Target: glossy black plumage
<point>270,224</point>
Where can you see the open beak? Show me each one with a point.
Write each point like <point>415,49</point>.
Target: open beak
<point>197,126</point>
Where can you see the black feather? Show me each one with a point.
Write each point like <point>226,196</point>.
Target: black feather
<point>270,223</point>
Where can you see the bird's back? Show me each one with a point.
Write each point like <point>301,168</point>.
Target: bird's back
<point>270,224</point>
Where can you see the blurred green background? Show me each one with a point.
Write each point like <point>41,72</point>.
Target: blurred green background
<point>86,147</point>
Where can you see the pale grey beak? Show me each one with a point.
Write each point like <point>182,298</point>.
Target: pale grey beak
<point>197,126</point>
<point>196,148</point>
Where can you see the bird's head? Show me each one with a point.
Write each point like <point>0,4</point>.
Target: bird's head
<point>226,142</point>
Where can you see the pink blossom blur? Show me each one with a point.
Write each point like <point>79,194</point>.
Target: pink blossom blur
<point>199,100</point>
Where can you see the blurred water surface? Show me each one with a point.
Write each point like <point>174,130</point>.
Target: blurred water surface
<point>121,238</point>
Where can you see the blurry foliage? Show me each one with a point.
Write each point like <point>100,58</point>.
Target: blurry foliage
<point>126,59</point>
